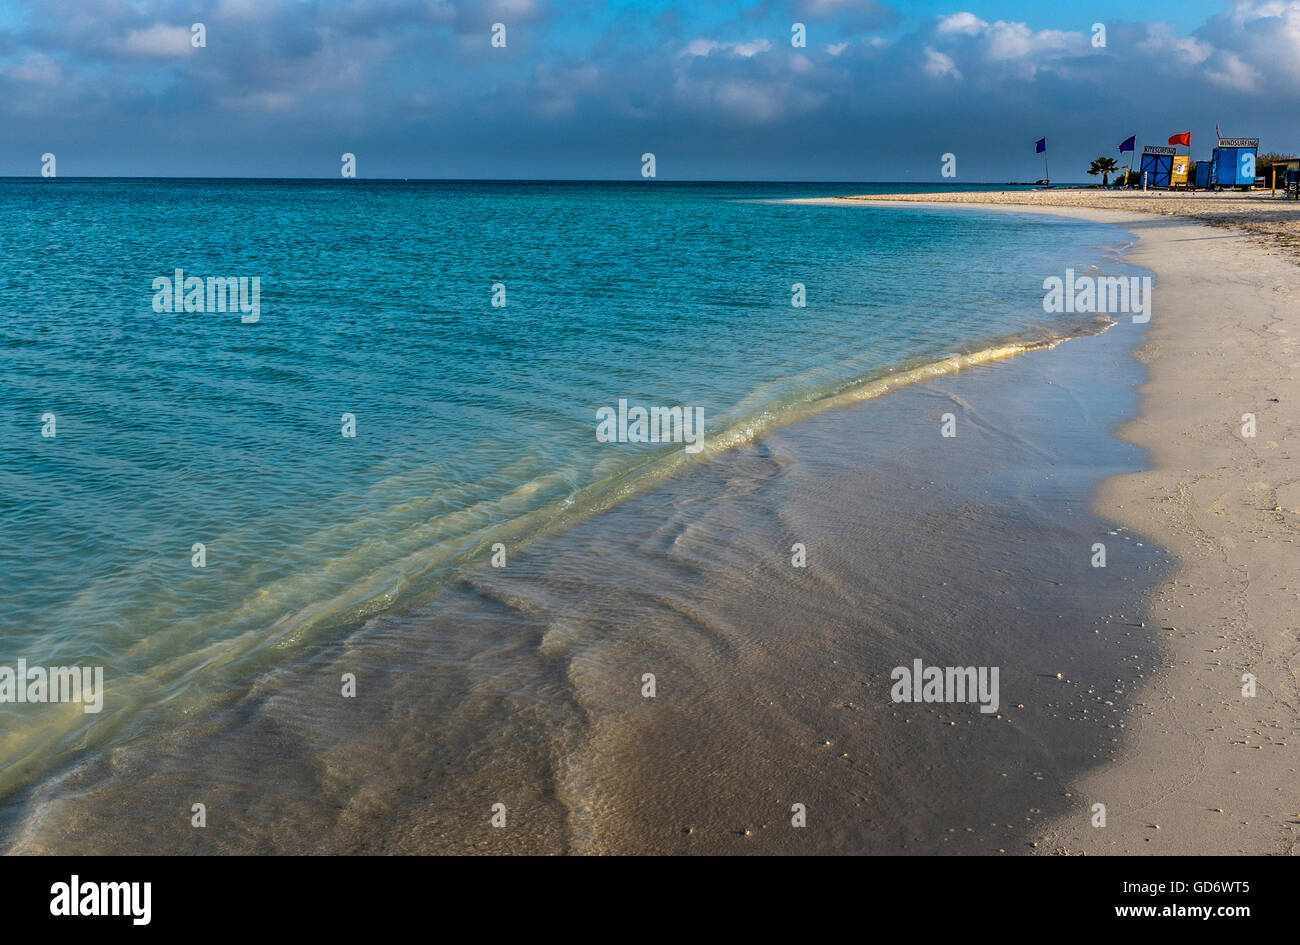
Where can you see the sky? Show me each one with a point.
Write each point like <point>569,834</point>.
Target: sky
<point>881,91</point>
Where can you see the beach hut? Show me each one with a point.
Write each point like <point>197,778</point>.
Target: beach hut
<point>1158,166</point>
<point>1282,172</point>
<point>1178,176</point>
<point>1202,178</point>
<point>1233,162</point>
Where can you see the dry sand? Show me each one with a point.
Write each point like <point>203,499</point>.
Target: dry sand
<point>1206,770</point>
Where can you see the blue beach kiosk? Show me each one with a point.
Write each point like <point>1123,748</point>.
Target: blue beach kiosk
<point>1203,169</point>
<point>1233,163</point>
<point>1158,165</point>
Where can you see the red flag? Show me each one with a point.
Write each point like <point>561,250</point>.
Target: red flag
<point>1185,139</point>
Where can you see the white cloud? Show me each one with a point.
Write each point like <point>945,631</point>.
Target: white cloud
<point>940,65</point>
<point>705,47</point>
<point>753,48</point>
<point>967,24</point>
<point>1161,40</point>
<point>967,42</point>
<point>1254,39</point>
<point>699,47</point>
<point>1007,41</point>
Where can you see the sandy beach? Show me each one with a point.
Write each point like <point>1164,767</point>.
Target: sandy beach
<point>522,688</point>
<point>1205,769</point>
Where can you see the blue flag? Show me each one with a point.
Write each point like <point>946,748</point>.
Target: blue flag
<point>1128,143</point>
<point>1040,145</point>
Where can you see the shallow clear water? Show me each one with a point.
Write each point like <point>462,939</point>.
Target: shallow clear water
<point>474,424</point>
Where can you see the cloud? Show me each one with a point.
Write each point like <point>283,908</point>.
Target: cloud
<point>558,90</point>
<point>1161,42</point>
<point>967,24</point>
<point>1230,71</point>
<point>753,48</point>
<point>1009,41</point>
<point>249,10</point>
<point>747,101</point>
<point>159,40</point>
<point>700,47</point>
<point>414,88</point>
<point>706,47</point>
<point>853,15</point>
<point>1254,39</point>
<point>940,65</point>
<point>968,40</point>
<point>36,68</point>
<point>479,15</point>
<point>258,101</point>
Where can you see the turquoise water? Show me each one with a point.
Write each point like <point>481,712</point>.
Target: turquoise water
<point>474,424</point>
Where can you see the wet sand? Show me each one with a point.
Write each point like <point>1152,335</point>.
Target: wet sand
<point>1206,769</point>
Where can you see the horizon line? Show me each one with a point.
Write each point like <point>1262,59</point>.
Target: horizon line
<point>517,180</point>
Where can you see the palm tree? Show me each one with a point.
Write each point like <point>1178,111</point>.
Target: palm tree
<point>1105,166</point>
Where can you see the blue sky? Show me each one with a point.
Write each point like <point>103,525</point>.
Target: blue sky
<point>414,88</point>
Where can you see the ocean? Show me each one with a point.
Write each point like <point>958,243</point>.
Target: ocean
<point>364,447</point>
